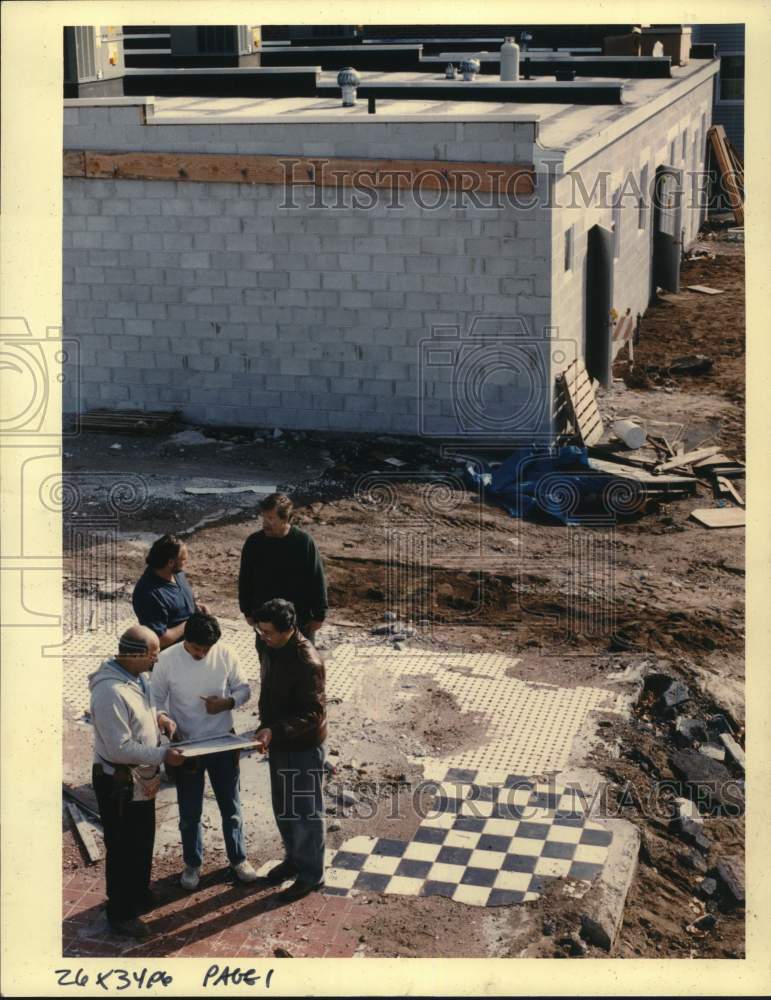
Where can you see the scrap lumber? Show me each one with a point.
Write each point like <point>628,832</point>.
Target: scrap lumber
<point>84,831</point>
<point>726,486</point>
<point>718,459</point>
<point>580,403</point>
<point>128,421</point>
<point>674,483</point>
<point>730,175</point>
<point>661,443</point>
<point>720,517</point>
<point>680,460</point>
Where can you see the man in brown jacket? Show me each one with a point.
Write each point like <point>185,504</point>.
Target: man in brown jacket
<point>293,727</point>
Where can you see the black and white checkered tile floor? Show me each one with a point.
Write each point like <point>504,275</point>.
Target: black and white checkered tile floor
<point>483,845</point>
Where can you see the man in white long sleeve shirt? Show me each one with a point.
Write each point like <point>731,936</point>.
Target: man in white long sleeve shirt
<point>200,682</point>
<point>127,757</point>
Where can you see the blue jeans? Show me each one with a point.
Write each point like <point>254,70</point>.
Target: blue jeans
<point>296,792</point>
<point>224,775</point>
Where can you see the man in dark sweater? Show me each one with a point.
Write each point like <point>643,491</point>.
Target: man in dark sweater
<point>282,561</point>
<point>293,727</point>
<point>163,599</point>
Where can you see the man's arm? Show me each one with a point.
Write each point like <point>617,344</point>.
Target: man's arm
<point>310,708</point>
<point>317,585</point>
<point>159,686</point>
<point>239,688</point>
<point>111,718</point>
<point>154,614</point>
<point>171,635</point>
<point>245,574</point>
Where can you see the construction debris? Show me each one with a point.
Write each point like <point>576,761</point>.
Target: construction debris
<point>682,460</point>
<point>733,749</point>
<point>577,404</point>
<point>705,289</point>
<point>85,832</point>
<point>629,432</point>
<point>724,487</point>
<point>190,438</point>
<point>720,517</point>
<point>731,169</point>
<point>691,364</point>
<point>261,488</point>
<point>128,421</point>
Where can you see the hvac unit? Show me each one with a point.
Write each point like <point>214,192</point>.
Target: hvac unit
<point>215,45</point>
<point>93,61</point>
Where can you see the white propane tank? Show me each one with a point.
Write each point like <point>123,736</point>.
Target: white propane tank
<point>509,60</point>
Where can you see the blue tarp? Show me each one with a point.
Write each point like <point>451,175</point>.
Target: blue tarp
<point>557,482</point>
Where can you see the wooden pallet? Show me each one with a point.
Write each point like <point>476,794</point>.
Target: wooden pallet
<point>128,421</point>
<point>731,170</point>
<point>578,404</point>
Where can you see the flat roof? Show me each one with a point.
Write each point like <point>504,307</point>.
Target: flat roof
<point>329,110</point>
<point>328,80</point>
<point>571,131</point>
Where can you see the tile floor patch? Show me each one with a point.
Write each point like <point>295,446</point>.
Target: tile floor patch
<point>531,727</point>
<point>499,861</point>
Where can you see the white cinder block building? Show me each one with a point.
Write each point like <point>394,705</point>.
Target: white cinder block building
<point>428,268</point>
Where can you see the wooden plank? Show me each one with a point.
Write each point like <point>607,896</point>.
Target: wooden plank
<point>641,475</point>
<point>720,517</point>
<point>85,832</point>
<point>726,486</point>
<point>704,289</point>
<point>719,141</point>
<point>718,459</point>
<point>691,456</point>
<point>230,168</point>
<point>74,163</point>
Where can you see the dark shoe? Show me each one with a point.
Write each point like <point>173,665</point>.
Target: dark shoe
<point>280,873</point>
<point>134,928</point>
<point>299,889</point>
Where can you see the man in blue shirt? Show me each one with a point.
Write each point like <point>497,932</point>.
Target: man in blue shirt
<point>163,599</point>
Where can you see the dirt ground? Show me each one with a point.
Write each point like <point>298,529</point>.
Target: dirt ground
<point>489,581</point>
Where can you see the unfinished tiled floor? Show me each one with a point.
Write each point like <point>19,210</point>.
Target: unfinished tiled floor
<point>483,845</point>
<point>500,822</point>
<point>529,727</point>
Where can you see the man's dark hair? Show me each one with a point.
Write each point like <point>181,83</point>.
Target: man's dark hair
<point>280,613</point>
<point>162,550</point>
<point>201,629</point>
<point>279,502</point>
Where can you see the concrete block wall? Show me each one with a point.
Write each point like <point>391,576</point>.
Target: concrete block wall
<point>224,302</point>
<point>647,146</point>
<point>119,128</point>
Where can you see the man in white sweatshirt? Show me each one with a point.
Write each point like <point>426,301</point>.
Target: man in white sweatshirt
<point>200,682</point>
<point>126,774</point>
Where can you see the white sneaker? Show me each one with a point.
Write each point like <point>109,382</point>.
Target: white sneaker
<point>190,878</point>
<point>245,872</point>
